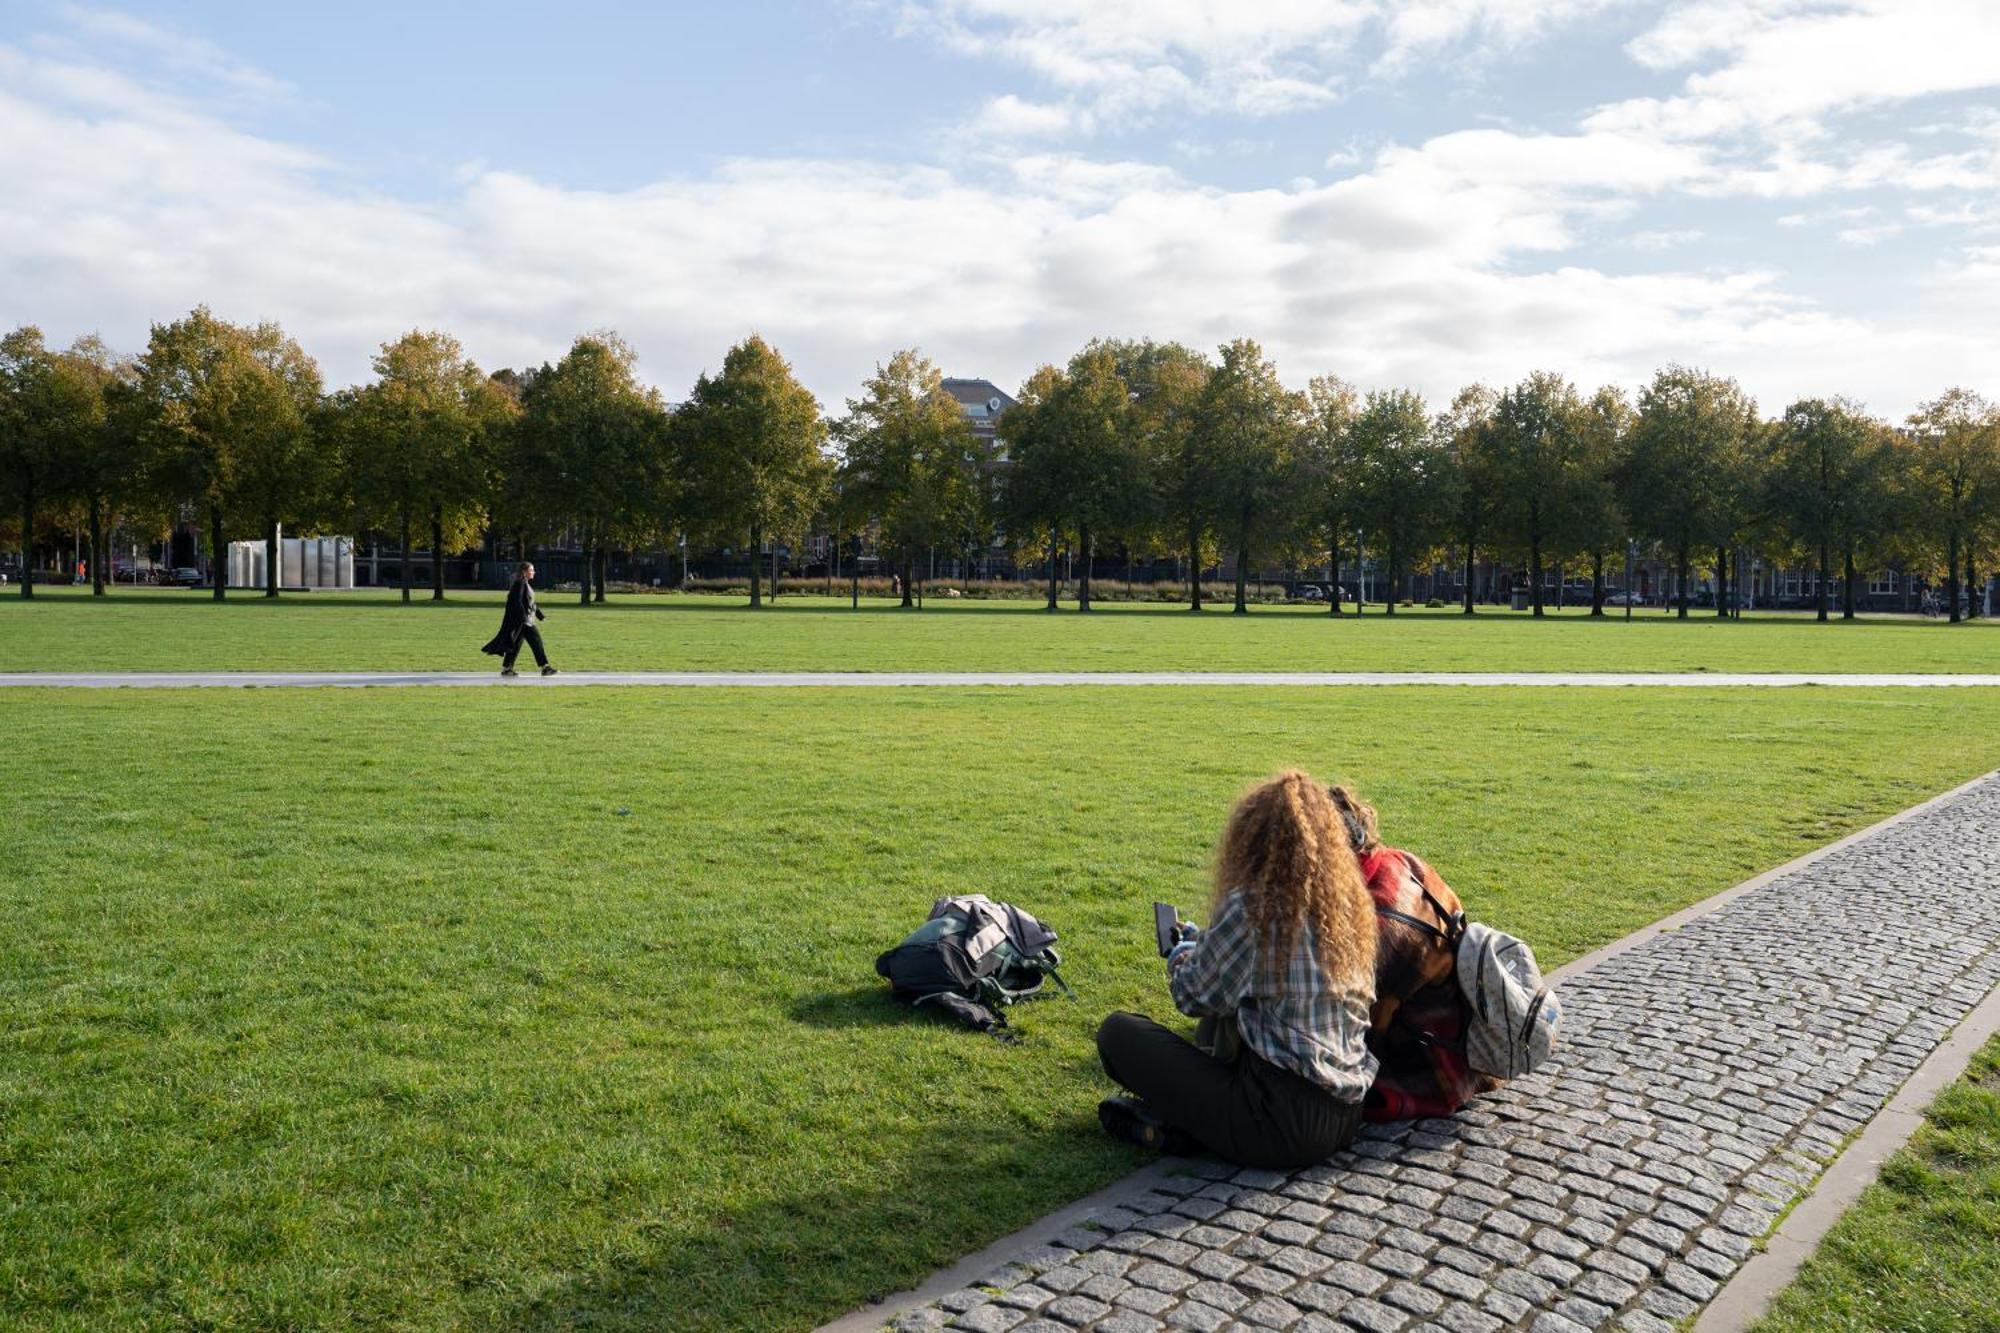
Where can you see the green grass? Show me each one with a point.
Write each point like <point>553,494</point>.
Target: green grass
<point>1920,1250</point>
<point>534,1009</point>
<point>64,630</point>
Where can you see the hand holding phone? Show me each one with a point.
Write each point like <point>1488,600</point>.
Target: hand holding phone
<point>1166,927</point>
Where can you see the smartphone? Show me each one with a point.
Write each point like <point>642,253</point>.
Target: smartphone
<point>1166,920</point>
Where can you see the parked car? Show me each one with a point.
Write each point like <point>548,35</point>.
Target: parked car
<point>1311,592</point>
<point>1624,599</point>
<point>186,576</point>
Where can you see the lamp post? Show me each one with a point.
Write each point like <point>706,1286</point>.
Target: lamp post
<point>684,562</point>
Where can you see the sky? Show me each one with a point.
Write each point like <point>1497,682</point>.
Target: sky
<point>1803,194</point>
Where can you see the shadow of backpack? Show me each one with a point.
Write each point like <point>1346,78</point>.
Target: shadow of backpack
<point>971,959</point>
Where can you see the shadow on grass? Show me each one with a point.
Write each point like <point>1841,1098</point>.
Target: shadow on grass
<point>795,1257</point>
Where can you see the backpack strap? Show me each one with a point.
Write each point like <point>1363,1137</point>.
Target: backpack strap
<point>1448,933</point>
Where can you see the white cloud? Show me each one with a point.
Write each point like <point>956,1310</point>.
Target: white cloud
<point>1430,264</point>
<point>196,56</point>
<point>1122,63</point>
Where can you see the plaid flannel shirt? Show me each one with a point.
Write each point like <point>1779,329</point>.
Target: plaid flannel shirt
<point>1299,1021</point>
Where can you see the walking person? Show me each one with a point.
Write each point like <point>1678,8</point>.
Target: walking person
<point>518,625</point>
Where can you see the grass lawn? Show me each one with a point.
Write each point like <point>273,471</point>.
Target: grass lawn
<point>66,630</point>
<point>533,1009</point>
<point>1920,1250</point>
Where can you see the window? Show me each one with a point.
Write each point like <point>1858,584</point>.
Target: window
<point>1882,583</point>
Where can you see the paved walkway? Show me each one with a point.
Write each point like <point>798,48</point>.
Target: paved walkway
<point>1708,1073</point>
<point>157,680</point>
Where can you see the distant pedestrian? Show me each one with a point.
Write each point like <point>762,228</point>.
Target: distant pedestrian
<point>518,625</point>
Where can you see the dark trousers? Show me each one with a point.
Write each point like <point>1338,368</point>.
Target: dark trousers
<point>1246,1110</point>
<point>533,638</point>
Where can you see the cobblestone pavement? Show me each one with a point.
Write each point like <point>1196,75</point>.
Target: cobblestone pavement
<point>528,680</point>
<point>1706,1077</point>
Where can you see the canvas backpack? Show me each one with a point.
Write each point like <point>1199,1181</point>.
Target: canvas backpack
<point>1512,1016</point>
<point>971,958</point>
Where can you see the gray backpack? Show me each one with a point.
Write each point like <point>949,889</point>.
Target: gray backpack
<point>1512,1019</point>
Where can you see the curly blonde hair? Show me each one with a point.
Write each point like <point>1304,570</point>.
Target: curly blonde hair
<point>1286,847</point>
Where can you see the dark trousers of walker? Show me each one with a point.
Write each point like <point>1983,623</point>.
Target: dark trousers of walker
<point>533,638</point>
<point>1246,1110</point>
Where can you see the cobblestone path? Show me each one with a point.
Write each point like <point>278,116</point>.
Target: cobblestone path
<point>1706,1077</point>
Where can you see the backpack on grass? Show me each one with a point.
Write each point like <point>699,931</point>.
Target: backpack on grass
<point>971,958</point>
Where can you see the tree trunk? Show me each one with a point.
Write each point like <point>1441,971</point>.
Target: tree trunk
<point>1722,583</point>
<point>1597,584</point>
<point>28,542</point>
<point>437,552</point>
<point>603,568</point>
<point>1687,573</point>
<point>1389,598</point>
<point>584,581</point>
<point>1083,583</point>
<point>1951,578</point>
<point>1242,607</point>
<point>1820,607</point>
<point>1847,588</point>
<point>96,547</point>
<point>1333,577</point>
<point>1052,572</point>
<point>774,571</point>
<point>404,563</point>
<point>756,569</point>
<point>910,568</point>
<point>218,553</point>
<point>1971,586</point>
<point>1194,567</point>
<point>271,560</point>
<point>1535,573</point>
<point>1470,563</point>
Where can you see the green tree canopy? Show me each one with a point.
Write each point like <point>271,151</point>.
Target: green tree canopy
<point>1249,432</point>
<point>753,460</point>
<point>905,458</point>
<point>1403,474</point>
<point>1681,477</point>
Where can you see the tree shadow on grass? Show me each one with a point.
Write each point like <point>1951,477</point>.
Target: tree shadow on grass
<point>796,1257</point>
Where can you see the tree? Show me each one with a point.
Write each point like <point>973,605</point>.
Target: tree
<point>280,468</point>
<point>1537,427</point>
<point>1403,477</point>
<point>223,408</point>
<point>904,450</point>
<point>1249,430</point>
<point>1597,524</point>
<point>1820,473</point>
<point>753,462</point>
<point>52,412</point>
<point>1954,477</point>
<point>1467,432</point>
<point>1033,500</point>
<point>599,443</point>
<point>1677,474</point>
<point>423,437</point>
<point>1076,457</point>
<point>1332,490</point>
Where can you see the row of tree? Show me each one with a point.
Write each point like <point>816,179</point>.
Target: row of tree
<point>1140,447</point>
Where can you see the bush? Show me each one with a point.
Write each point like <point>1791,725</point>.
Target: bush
<point>1434,603</point>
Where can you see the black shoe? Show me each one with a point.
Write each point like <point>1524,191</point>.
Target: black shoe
<point>509,671</point>
<point>1132,1120</point>
<point>548,671</point>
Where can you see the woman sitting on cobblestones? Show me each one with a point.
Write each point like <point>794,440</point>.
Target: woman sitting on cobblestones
<point>1289,955</point>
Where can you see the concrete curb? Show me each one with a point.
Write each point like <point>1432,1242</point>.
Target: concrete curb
<point>1759,1280</point>
<point>1750,1292</point>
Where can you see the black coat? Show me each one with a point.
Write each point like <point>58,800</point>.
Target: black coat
<point>521,613</point>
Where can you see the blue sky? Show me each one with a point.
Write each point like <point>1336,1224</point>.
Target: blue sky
<point>1800,193</point>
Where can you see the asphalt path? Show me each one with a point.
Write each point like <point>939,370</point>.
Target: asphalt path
<point>147,680</point>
